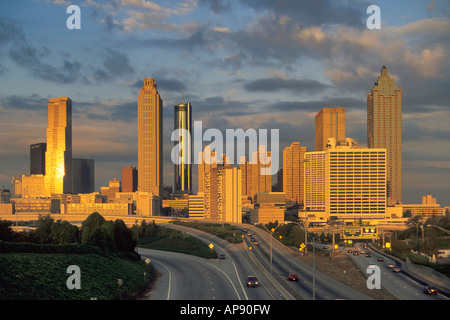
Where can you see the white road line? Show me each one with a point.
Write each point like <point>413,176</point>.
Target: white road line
<point>170,278</point>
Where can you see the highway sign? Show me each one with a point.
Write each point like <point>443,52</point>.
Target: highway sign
<point>358,232</point>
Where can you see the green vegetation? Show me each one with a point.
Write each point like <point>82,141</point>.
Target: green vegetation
<point>33,264</point>
<point>156,237</point>
<point>224,231</point>
<point>43,276</point>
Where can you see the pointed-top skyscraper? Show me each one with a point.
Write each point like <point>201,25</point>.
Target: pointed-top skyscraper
<point>384,129</point>
<point>150,147</point>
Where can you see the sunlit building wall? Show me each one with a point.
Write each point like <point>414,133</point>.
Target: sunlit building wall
<point>150,148</point>
<point>330,123</point>
<point>58,157</point>
<point>293,172</point>
<point>384,129</point>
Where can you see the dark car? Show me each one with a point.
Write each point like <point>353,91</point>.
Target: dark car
<point>430,290</point>
<point>293,277</point>
<point>252,281</point>
<point>221,256</point>
<point>368,254</point>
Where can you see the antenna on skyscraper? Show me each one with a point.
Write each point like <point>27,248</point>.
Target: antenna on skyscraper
<point>182,92</point>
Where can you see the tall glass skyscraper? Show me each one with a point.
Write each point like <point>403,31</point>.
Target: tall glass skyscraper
<point>384,129</point>
<point>58,157</point>
<point>183,170</point>
<point>150,147</point>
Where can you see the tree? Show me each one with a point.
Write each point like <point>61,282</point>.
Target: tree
<point>123,237</point>
<point>43,230</point>
<point>64,232</point>
<point>92,222</point>
<point>5,230</point>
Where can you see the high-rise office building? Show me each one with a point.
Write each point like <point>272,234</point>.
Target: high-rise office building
<point>129,179</point>
<point>83,175</point>
<point>293,172</point>
<point>183,169</point>
<point>345,182</point>
<point>254,177</point>
<point>58,157</point>
<point>330,123</point>
<point>37,158</point>
<point>384,129</point>
<point>150,148</point>
<point>223,195</point>
<point>207,160</point>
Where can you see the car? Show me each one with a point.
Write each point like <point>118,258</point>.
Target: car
<point>325,248</point>
<point>431,290</point>
<point>349,251</point>
<point>221,256</point>
<point>355,253</point>
<point>252,239</point>
<point>293,277</point>
<point>363,252</point>
<point>249,234</point>
<point>252,281</point>
<point>380,259</point>
<point>368,254</point>
<point>397,269</point>
<point>256,243</point>
<point>390,266</point>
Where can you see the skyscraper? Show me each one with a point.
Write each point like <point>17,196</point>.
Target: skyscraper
<point>345,182</point>
<point>150,148</point>
<point>58,157</point>
<point>384,129</point>
<point>293,172</point>
<point>330,123</point>
<point>183,170</point>
<point>37,158</point>
<point>83,175</point>
<point>129,179</point>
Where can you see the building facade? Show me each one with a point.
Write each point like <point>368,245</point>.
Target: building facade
<point>129,179</point>
<point>384,129</point>
<point>58,157</point>
<point>150,148</point>
<point>183,169</point>
<point>37,158</point>
<point>346,183</point>
<point>293,172</point>
<point>83,175</point>
<point>330,123</point>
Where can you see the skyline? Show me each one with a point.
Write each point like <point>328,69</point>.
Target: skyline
<point>234,60</point>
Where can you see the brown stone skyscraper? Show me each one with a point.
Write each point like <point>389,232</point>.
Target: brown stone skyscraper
<point>293,172</point>
<point>384,129</point>
<point>330,123</point>
<point>150,148</point>
<point>58,157</point>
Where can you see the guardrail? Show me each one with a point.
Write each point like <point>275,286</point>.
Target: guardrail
<point>413,275</point>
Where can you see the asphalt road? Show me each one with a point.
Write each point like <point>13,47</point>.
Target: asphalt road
<point>187,277</point>
<point>398,284</point>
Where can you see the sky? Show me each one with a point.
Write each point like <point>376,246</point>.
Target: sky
<point>250,64</point>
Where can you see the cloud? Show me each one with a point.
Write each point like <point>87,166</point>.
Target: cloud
<point>296,86</point>
<point>115,64</point>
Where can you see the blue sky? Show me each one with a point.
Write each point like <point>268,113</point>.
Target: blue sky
<point>243,64</point>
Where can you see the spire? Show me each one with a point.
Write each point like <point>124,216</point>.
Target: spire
<point>182,93</point>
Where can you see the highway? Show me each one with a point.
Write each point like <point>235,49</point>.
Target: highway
<point>187,277</point>
<point>398,284</point>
